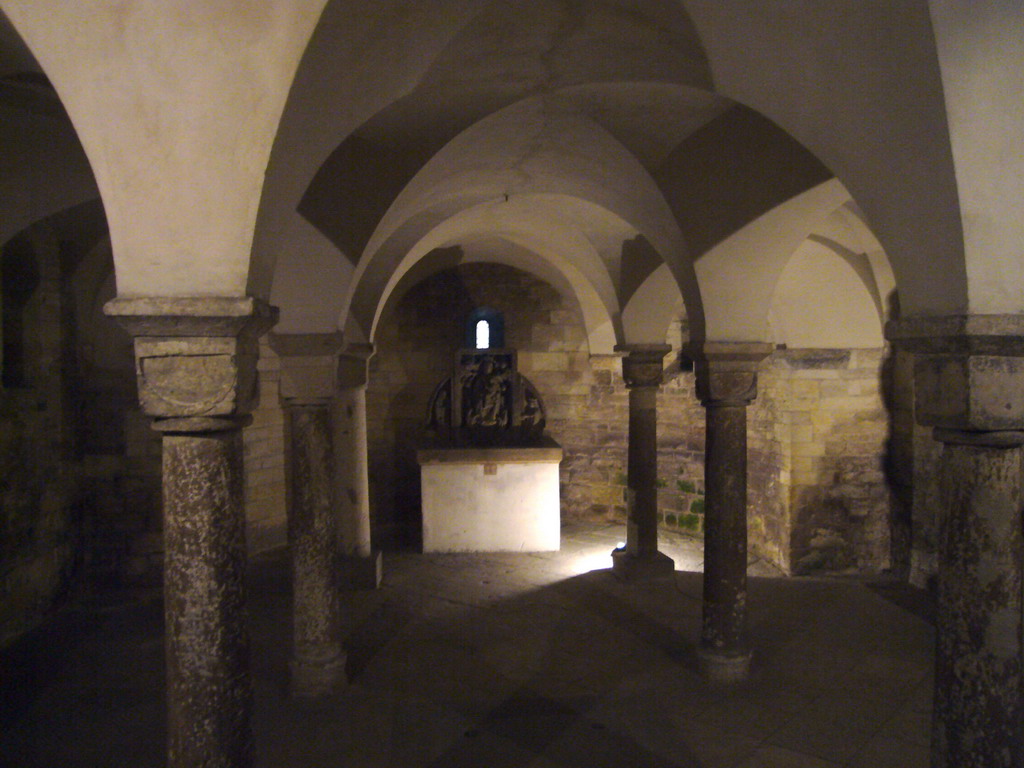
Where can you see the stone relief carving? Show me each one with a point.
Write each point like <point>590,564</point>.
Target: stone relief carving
<point>486,389</point>
<point>486,401</point>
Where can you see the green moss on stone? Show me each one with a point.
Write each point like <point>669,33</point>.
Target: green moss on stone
<point>690,522</point>
<point>686,486</point>
<point>697,507</point>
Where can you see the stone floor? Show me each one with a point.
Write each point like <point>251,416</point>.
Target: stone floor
<point>495,661</point>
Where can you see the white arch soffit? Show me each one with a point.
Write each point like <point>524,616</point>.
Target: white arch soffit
<point>652,308</point>
<point>181,221</point>
<point>864,95</point>
<point>822,301</point>
<point>565,248</point>
<point>737,276</point>
<point>867,243</point>
<point>310,281</point>
<point>981,57</point>
<point>526,149</point>
<point>347,50</point>
<point>846,233</point>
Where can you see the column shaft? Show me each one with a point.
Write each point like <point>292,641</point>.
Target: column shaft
<point>209,699</point>
<point>979,713</point>
<point>195,365</point>
<point>725,532</point>
<point>354,473</point>
<point>642,472</point>
<point>643,372</point>
<point>318,661</point>
<point>362,564</point>
<point>726,384</point>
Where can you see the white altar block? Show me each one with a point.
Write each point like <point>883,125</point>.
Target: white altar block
<point>490,499</point>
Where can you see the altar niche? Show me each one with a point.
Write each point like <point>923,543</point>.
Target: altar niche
<point>489,474</point>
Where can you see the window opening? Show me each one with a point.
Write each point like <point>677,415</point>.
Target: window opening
<point>483,334</point>
<point>485,329</point>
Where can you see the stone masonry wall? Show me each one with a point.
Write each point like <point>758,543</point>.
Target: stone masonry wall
<point>264,451</point>
<point>80,466</point>
<point>840,497</point>
<point>39,518</point>
<point>585,397</point>
<point>817,436</point>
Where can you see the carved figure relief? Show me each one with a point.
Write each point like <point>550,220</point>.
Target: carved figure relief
<point>486,385</point>
<point>486,401</point>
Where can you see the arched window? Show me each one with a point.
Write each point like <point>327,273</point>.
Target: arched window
<point>485,329</point>
<point>483,334</point>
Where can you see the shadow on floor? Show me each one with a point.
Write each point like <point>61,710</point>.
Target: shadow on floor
<point>503,661</point>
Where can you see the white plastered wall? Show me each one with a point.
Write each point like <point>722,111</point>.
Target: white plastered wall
<point>981,56</point>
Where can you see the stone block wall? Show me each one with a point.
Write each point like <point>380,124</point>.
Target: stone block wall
<point>40,529</point>
<point>912,463</point>
<point>819,498</point>
<point>264,452</point>
<point>840,497</point>
<point>769,466</point>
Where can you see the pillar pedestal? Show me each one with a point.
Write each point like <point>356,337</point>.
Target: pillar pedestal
<point>726,384</point>
<point>308,385</point>
<point>969,386</point>
<point>642,369</point>
<point>196,372</point>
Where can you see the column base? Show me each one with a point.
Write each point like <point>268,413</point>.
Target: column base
<point>312,677</point>
<point>630,567</point>
<point>720,667</point>
<point>362,571</point>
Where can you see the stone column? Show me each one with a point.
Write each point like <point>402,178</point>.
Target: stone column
<point>196,371</point>
<point>726,385</point>
<point>308,386</point>
<point>362,564</point>
<point>969,386</point>
<point>642,369</point>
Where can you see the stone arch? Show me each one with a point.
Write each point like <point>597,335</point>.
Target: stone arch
<point>866,97</point>
<point>821,300</point>
<point>738,275</point>
<point>181,222</point>
<point>518,153</point>
<point>559,253</point>
<point>452,54</point>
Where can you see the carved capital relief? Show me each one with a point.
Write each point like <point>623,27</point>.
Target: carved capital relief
<point>309,366</point>
<point>643,364</point>
<point>968,372</point>
<point>195,357</point>
<point>726,372</point>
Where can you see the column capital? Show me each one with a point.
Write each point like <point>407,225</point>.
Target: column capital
<point>968,371</point>
<point>309,363</point>
<point>642,365</point>
<point>195,356</point>
<point>352,364</point>
<point>727,371</point>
